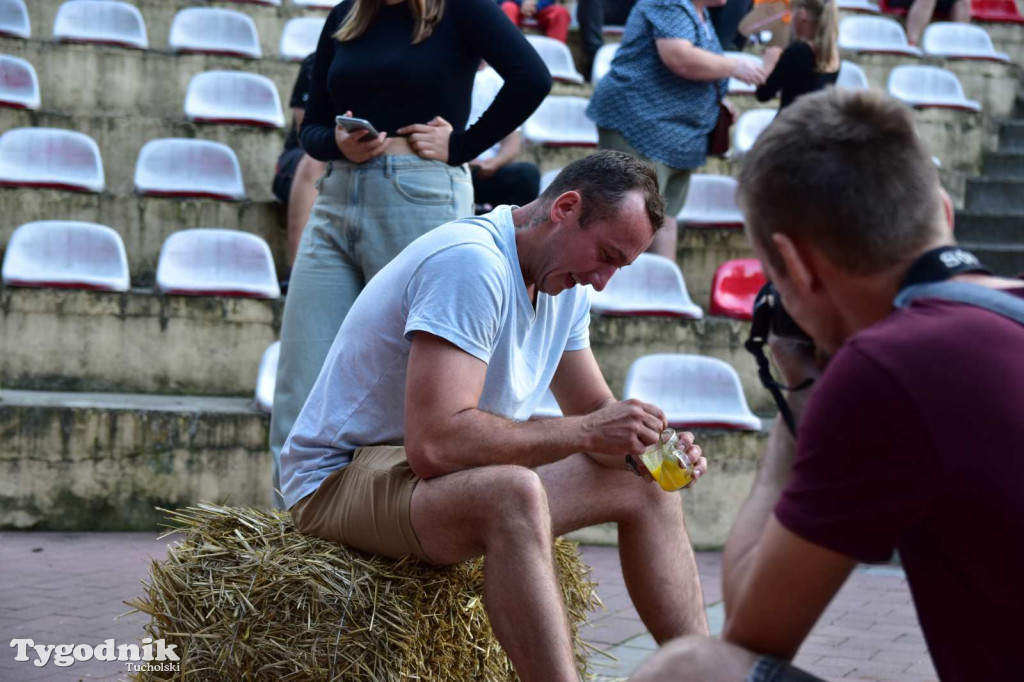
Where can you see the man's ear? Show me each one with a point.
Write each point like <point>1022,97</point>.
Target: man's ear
<point>799,270</point>
<point>566,207</point>
<point>947,209</point>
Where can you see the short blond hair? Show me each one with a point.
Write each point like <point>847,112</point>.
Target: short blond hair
<point>845,171</point>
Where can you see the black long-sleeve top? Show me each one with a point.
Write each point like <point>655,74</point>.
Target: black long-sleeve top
<point>382,77</point>
<point>795,75</point>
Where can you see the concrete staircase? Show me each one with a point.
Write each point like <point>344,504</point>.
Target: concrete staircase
<point>992,222</point>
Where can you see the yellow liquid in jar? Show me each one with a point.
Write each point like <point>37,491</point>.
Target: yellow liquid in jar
<point>670,476</point>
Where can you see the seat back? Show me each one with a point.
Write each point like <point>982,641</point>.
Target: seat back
<point>67,254</point>
<point>735,287</point>
<point>561,121</point>
<point>874,34</point>
<point>862,6</point>
<point>851,77</point>
<point>271,3</point>
<point>106,22</point>
<point>19,85</point>
<point>603,62</point>
<point>213,262</point>
<point>711,202</point>
<point>14,21</point>
<point>957,40</point>
<point>300,37</point>
<point>185,167</point>
<point>316,4</point>
<point>548,178</point>
<point>557,57</point>
<point>233,97</point>
<point>999,11</point>
<point>736,86</point>
<point>50,158</point>
<point>266,379</point>
<point>750,124</point>
<point>693,391</point>
<point>652,285</point>
<point>929,86</point>
<point>215,31</point>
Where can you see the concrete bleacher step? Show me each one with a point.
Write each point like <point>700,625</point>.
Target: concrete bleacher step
<point>121,137</point>
<point>990,227</point>
<point>143,222</point>
<point>159,14</point>
<point>1004,164</point>
<point>93,461</point>
<point>97,79</point>
<point>1006,260</point>
<point>139,341</point>
<point>1011,136</point>
<point>995,194</point>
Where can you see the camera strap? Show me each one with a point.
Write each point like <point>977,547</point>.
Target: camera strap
<point>940,264</point>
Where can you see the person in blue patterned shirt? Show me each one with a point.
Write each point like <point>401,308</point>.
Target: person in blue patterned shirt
<point>660,100</point>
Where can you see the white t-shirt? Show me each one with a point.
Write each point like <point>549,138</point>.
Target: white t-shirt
<point>461,282</point>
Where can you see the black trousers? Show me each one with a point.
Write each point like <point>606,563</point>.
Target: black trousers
<point>726,20</point>
<point>592,15</point>
<point>517,183</point>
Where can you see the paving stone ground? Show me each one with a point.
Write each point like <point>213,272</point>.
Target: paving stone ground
<point>68,588</point>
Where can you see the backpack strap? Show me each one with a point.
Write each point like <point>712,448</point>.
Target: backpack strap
<point>995,300</point>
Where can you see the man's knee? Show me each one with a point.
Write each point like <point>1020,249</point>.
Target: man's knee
<point>696,659</point>
<point>518,500</point>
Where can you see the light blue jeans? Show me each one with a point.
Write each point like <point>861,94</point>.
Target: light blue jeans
<point>364,216</point>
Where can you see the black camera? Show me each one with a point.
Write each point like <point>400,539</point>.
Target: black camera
<point>770,315</point>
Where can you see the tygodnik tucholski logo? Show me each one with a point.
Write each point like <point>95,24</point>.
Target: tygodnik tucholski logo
<point>136,658</point>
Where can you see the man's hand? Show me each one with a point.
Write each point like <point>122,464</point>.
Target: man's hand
<point>694,453</point>
<point>355,148</point>
<point>796,359</point>
<point>429,141</point>
<point>487,167</point>
<point>623,428</point>
<point>528,8</point>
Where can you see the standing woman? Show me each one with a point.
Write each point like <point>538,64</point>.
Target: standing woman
<point>811,62</point>
<point>407,67</point>
<point>660,100</point>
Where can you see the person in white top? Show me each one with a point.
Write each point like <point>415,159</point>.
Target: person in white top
<point>416,438</point>
<point>497,177</point>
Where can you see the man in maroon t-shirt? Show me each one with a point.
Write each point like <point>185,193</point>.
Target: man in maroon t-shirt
<point>913,436</point>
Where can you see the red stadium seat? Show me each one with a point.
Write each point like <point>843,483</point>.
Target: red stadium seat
<point>1004,11</point>
<point>734,288</point>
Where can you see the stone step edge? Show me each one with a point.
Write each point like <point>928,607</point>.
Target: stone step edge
<point>129,402</point>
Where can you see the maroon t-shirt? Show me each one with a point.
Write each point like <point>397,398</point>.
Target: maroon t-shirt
<point>914,440</point>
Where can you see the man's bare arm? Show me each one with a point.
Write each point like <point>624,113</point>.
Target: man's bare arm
<point>446,432</point>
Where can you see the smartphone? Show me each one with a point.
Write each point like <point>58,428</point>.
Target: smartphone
<point>350,124</point>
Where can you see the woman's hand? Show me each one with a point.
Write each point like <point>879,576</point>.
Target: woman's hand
<point>747,72</point>
<point>355,148</point>
<point>430,140</point>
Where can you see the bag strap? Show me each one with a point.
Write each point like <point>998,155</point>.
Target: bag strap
<point>995,300</point>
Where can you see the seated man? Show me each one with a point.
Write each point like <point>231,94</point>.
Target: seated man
<point>497,177</point>
<point>552,17</point>
<point>448,350</point>
<point>297,172</point>
<point>910,440</point>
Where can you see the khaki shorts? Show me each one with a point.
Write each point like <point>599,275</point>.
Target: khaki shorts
<point>673,182</point>
<point>365,505</point>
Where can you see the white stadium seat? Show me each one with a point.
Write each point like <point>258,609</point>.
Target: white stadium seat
<point>14,21</point>
<point>862,6</point>
<point>316,4</point>
<point>299,38</point>
<point>266,380</point>
<point>694,391</point>
<point>960,41</point>
<point>651,285</point>
<point>548,407</point>
<point>711,202</point>
<point>851,77</point>
<point>50,158</point>
<point>233,97</point>
<point>603,61</point>
<point>182,167</point>
<point>557,58</point>
<point>215,31</point>
<point>19,85</point>
<point>561,121</point>
<point>750,124</point>
<point>736,86</point>
<point>548,178</point>
<point>874,34</point>
<point>212,262</point>
<point>271,3</point>
<point>927,87</point>
<point>65,253</point>
<point>107,22</point>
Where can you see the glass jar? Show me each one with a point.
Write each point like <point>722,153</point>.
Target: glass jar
<point>668,465</point>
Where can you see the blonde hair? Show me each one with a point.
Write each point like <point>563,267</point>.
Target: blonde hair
<point>426,14</point>
<point>826,37</point>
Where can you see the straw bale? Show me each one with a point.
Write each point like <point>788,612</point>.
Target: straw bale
<point>246,597</point>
